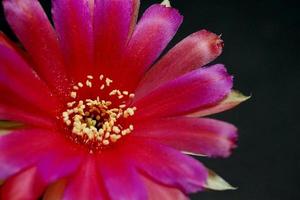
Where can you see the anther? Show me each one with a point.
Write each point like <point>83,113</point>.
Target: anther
<point>80,84</point>
<point>73,95</point>
<point>88,83</point>
<point>95,122</point>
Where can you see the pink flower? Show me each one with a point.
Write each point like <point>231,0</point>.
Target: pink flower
<point>101,119</point>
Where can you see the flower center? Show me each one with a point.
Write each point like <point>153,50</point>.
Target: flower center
<point>98,122</point>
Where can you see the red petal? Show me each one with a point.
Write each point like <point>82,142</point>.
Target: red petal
<point>20,114</point>
<point>26,185</point>
<point>193,90</point>
<point>233,99</point>
<point>23,148</point>
<point>113,24</point>
<point>158,191</point>
<point>30,24</point>
<point>166,166</point>
<point>73,23</point>
<point>194,51</point>
<point>195,135</point>
<point>85,183</point>
<point>153,32</point>
<point>63,159</point>
<point>120,178</point>
<point>20,82</point>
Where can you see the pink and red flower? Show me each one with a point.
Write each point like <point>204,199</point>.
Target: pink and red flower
<point>101,118</point>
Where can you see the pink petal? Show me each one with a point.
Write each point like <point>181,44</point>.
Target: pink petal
<point>195,135</point>
<point>30,24</point>
<point>85,184</point>
<point>194,51</point>
<point>194,90</point>
<point>23,148</point>
<point>26,185</point>
<point>153,32</point>
<point>233,99</point>
<point>18,114</point>
<point>21,83</point>
<point>63,160</point>
<point>167,166</point>
<point>158,191</point>
<point>55,191</point>
<point>120,178</point>
<point>113,24</point>
<point>73,23</point>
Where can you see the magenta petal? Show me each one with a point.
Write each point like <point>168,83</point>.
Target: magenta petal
<point>153,32</point>
<point>26,185</point>
<point>60,161</point>
<point>30,24</point>
<point>85,183</point>
<point>113,23</point>
<point>194,90</point>
<point>158,191</point>
<point>120,179</point>
<point>13,113</point>
<point>73,23</point>
<point>21,83</point>
<point>196,50</point>
<point>23,148</point>
<point>167,166</point>
<point>195,135</point>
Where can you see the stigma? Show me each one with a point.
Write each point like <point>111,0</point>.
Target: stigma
<point>100,121</point>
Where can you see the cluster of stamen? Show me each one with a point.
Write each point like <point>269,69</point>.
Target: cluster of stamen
<point>96,122</point>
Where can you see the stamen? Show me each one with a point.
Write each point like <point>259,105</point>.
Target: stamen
<point>101,77</point>
<point>88,83</point>
<point>73,95</point>
<point>80,84</point>
<point>96,122</point>
<point>108,81</point>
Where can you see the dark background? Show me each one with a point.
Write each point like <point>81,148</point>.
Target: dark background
<point>261,51</point>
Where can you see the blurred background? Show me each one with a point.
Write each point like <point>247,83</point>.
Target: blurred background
<point>262,52</point>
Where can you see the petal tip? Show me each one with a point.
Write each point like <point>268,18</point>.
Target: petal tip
<point>166,3</point>
<point>217,183</point>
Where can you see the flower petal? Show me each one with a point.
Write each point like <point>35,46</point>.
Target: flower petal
<point>60,161</point>
<point>196,89</point>
<point>167,166</point>
<point>14,113</point>
<point>200,136</point>
<point>158,191</point>
<point>85,183</point>
<point>55,191</point>
<point>25,185</point>
<point>23,148</point>
<point>113,24</point>
<point>196,50</point>
<point>215,182</point>
<point>73,23</point>
<point>121,181</point>
<point>20,82</point>
<point>233,99</point>
<point>30,24</point>
<point>153,32</point>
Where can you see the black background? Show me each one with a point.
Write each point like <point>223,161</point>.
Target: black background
<point>261,51</point>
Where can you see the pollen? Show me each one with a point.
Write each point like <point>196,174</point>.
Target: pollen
<point>98,123</point>
<point>73,94</point>
<point>80,84</point>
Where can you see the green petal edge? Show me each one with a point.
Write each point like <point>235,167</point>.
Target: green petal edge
<point>215,182</point>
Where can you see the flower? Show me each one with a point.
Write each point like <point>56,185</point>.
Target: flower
<point>100,118</point>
